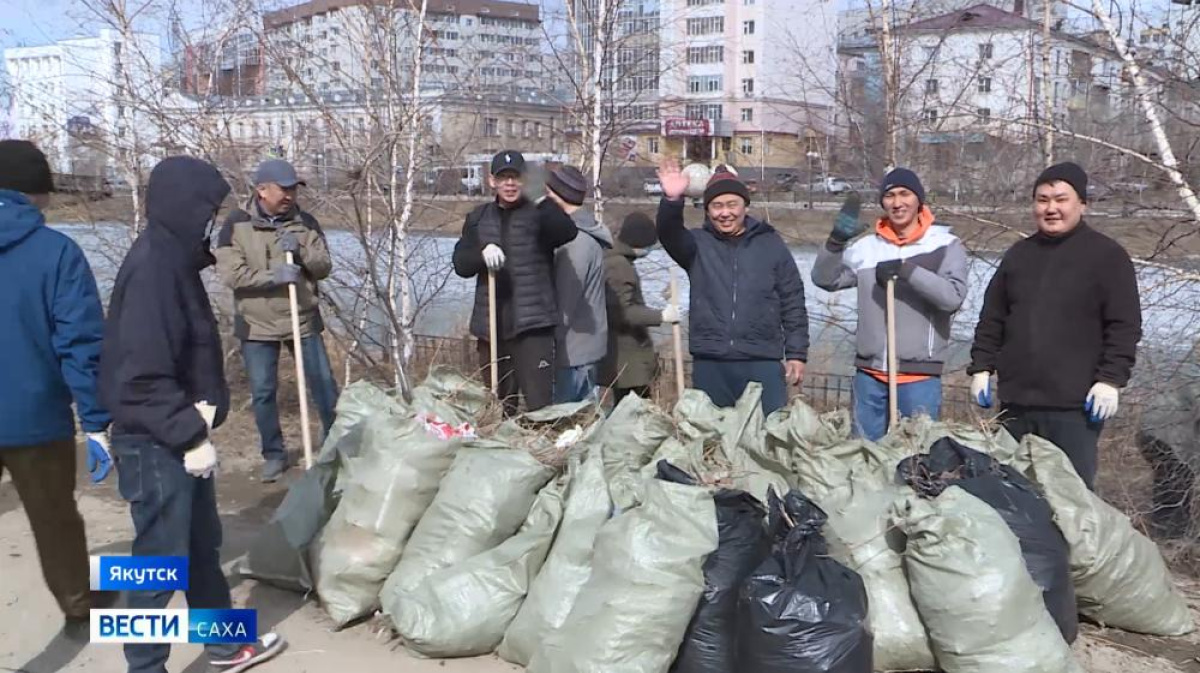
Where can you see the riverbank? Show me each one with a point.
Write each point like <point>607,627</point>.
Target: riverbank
<point>1161,235</point>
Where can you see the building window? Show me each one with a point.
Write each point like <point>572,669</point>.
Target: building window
<point>652,145</point>
<point>747,147</point>
<point>537,130</point>
<point>748,87</point>
<point>337,67</point>
<point>512,128</point>
<point>985,85</point>
<point>747,28</point>
<point>705,84</point>
<point>702,3</point>
<point>708,54</point>
<point>931,86</point>
<point>748,56</point>
<point>709,25</point>
<point>931,116</point>
<point>985,50</point>
<point>712,111</point>
<point>985,114</point>
<point>491,127</point>
<point>747,114</point>
<point>526,129</point>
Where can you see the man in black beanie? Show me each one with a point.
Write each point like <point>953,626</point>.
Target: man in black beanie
<point>631,363</point>
<point>50,353</point>
<point>581,339</point>
<point>514,240</point>
<point>748,321</point>
<point>1060,325</point>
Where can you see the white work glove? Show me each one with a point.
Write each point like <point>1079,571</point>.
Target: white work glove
<point>207,411</point>
<point>1102,402</point>
<point>981,389</point>
<point>670,314</point>
<point>201,461</point>
<point>493,257</point>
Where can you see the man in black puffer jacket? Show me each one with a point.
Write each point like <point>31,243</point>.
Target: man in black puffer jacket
<point>515,239</point>
<point>747,318</point>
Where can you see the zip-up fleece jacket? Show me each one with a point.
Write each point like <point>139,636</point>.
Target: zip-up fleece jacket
<point>248,252</point>
<point>932,286</point>
<point>747,298</point>
<point>582,335</point>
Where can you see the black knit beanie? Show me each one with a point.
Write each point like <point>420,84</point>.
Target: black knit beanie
<point>23,168</point>
<point>725,180</point>
<point>902,177</point>
<point>638,231</point>
<point>1068,172</point>
<point>569,183</point>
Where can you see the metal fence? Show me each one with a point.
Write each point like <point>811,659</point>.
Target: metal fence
<point>821,389</point>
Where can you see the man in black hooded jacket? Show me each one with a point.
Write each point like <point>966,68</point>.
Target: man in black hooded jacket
<point>162,378</point>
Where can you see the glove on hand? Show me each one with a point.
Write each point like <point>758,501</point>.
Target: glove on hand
<point>493,257</point>
<point>99,458</point>
<point>289,243</point>
<point>287,274</point>
<point>670,314</point>
<point>1102,402</point>
<point>981,389</point>
<point>207,411</point>
<point>890,270</point>
<point>847,226</point>
<point>201,461</point>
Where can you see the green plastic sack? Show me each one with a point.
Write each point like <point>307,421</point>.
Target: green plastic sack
<point>629,437</point>
<point>568,566</point>
<point>852,481</point>
<point>984,612</point>
<point>915,435</point>
<point>798,428</point>
<point>1120,577</point>
<point>483,500</point>
<point>279,556</point>
<point>632,613</point>
<point>463,610</point>
<point>392,483</point>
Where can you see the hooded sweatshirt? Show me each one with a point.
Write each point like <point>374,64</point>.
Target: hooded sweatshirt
<point>162,351</point>
<point>53,324</point>
<point>582,334</point>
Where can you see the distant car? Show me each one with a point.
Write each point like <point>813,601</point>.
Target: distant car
<point>652,188</point>
<point>831,185</point>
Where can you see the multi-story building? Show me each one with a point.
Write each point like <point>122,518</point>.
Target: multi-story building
<point>79,99</point>
<point>228,62</point>
<point>357,45</point>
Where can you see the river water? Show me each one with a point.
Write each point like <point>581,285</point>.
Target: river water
<point>1171,304</point>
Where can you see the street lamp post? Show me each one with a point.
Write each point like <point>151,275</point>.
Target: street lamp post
<point>812,157</point>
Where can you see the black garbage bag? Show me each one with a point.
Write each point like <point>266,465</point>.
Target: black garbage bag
<point>801,611</point>
<point>710,645</point>
<point>1023,508</point>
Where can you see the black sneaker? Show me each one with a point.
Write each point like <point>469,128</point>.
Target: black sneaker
<point>250,655</point>
<point>273,469</point>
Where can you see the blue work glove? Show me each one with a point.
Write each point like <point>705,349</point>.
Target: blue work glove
<point>847,225</point>
<point>99,458</point>
<point>289,243</point>
<point>981,389</point>
<point>286,274</point>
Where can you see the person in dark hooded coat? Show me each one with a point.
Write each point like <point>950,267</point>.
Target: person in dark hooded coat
<point>162,378</point>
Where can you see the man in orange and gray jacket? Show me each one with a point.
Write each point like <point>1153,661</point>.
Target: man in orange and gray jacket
<point>251,259</point>
<point>929,267</point>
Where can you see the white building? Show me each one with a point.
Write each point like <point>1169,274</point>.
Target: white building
<point>78,98</point>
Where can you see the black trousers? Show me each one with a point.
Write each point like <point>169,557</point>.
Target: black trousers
<point>526,369</point>
<point>1068,429</point>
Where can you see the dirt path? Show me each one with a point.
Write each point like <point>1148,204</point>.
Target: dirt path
<point>30,621</point>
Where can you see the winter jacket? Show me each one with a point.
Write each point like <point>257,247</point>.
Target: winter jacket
<point>528,235</point>
<point>1060,314</point>
<point>247,254</point>
<point>932,286</point>
<point>50,339</point>
<point>162,351</point>
<point>582,335</point>
<point>747,298</point>
<point>631,361</point>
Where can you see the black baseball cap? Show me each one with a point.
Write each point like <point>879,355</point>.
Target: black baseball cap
<point>508,160</point>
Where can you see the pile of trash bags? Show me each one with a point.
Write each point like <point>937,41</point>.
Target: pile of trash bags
<point>705,540</point>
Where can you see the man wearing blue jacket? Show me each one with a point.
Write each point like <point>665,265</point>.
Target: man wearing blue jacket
<point>49,353</point>
<point>162,376</point>
<point>747,318</point>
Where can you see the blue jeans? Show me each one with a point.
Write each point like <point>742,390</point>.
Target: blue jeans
<point>574,384</point>
<point>174,514</point>
<point>871,403</point>
<point>262,367</point>
<point>725,380</point>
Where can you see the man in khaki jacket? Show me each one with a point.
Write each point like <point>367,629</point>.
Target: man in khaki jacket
<point>251,259</point>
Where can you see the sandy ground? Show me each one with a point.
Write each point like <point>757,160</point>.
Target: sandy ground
<point>30,621</point>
